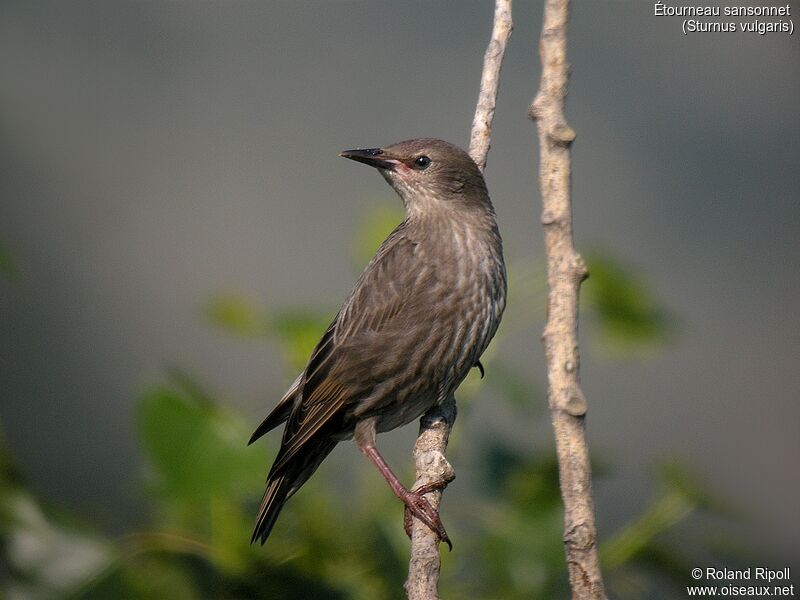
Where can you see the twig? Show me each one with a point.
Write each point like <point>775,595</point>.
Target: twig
<point>480,138</point>
<point>565,272</point>
<point>435,425</point>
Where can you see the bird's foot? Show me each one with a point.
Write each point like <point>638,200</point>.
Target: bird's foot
<point>418,506</point>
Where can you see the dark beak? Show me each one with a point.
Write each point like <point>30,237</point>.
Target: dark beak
<point>374,157</point>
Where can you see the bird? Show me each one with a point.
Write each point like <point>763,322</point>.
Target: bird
<point>418,319</point>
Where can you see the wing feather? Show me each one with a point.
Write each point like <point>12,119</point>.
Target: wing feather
<point>281,411</point>
<point>339,373</point>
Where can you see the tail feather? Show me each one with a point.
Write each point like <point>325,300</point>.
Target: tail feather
<point>275,496</point>
<point>282,485</point>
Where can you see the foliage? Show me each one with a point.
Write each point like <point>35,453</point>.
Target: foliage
<point>337,540</point>
<point>297,331</point>
<point>630,321</point>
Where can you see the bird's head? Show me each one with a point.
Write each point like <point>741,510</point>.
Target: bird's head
<point>428,173</point>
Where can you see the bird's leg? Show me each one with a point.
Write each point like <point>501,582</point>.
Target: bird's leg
<point>422,490</point>
<point>414,500</point>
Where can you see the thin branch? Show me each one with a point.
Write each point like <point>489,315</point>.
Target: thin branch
<point>435,425</point>
<point>565,272</point>
<point>490,80</point>
<point>432,467</point>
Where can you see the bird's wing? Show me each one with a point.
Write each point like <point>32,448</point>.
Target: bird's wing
<point>340,370</point>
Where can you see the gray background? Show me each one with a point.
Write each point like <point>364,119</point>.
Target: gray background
<point>153,154</point>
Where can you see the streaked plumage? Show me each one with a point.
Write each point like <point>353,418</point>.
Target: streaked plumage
<point>419,317</point>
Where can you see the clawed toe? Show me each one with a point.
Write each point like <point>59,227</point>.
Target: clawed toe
<point>427,488</point>
<point>416,504</point>
<point>419,507</point>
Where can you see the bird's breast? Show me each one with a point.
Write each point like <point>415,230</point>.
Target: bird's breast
<point>471,287</point>
<point>451,311</point>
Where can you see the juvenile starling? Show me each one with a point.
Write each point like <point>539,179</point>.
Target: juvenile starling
<point>420,316</point>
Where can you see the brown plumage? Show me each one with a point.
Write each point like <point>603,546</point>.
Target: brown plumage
<point>419,317</point>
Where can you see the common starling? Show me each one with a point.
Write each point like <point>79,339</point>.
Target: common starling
<point>419,317</point>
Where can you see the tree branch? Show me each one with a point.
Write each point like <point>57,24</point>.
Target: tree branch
<point>480,139</point>
<point>431,466</point>
<point>565,272</point>
<point>429,449</point>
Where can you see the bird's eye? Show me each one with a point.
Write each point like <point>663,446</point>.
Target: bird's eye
<point>422,162</point>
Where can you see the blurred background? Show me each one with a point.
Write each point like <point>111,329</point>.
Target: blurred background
<point>176,230</point>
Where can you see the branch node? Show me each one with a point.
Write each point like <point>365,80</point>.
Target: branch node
<point>579,268</point>
<point>562,134</point>
<point>535,110</point>
<point>579,537</point>
<point>435,465</point>
<point>576,404</point>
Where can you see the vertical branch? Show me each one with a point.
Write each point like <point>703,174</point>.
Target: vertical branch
<point>434,431</point>
<point>480,137</point>
<point>565,272</point>
<point>431,466</point>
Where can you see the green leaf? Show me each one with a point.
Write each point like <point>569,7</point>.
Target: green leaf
<point>683,494</point>
<point>238,315</point>
<point>628,543</point>
<point>298,332</point>
<point>197,449</point>
<point>140,578</point>
<point>516,388</point>
<point>623,307</point>
<point>677,476</point>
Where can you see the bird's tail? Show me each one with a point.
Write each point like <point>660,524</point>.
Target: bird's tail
<point>282,485</point>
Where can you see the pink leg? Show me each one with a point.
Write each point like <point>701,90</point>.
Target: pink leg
<point>414,500</point>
